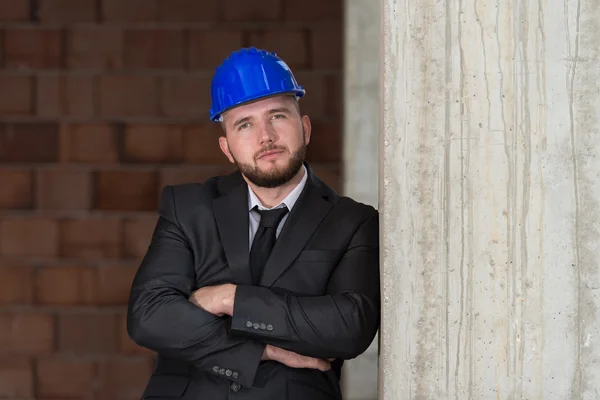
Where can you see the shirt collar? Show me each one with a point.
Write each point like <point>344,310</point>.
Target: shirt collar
<point>289,201</point>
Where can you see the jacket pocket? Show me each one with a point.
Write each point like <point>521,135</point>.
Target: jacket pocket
<point>166,386</point>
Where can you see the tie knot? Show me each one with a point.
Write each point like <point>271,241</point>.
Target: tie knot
<point>271,218</point>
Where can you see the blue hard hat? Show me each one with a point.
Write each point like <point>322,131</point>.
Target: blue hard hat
<point>250,74</point>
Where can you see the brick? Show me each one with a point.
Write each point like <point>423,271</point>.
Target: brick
<point>188,10</point>
<point>290,45</point>
<point>335,96</point>
<point>94,47</point>
<point>64,189</point>
<point>128,95</point>
<point>32,48</point>
<point>26,333</point>
<point>154,48</point>
<point>314,10</point>
<point>65,285</point>
<point>91,238</point>
<point>65,95</point>
<point>251,11</point>
<point>153,143</point>
<point>126,345</point>
<point>29,142</point>
<point>315,102</point>
<point>16,285</point>
<point>129,11</point>
<point>126,190</point>
<point>138,192</point>
<point>87,333</point>
<point>29,236</point>
<point>16,377</point>
<point>201,144</point>
<point>17,188</point>
<point>65,378</point>
<point>113,285</point>
<point>327,46</point>
<point>325,143</point>
<point>14,10</point>
<point>185,96</point>
<point>324,96</point>
<point>209,47</point>
<point>82,143</point>
<point>67,10</point>
<point>193,174</point>
<point>137,235</point>
<point>16,95</point>
<point>123,377</point>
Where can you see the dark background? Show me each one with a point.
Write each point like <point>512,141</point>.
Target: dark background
<point>102,103</point>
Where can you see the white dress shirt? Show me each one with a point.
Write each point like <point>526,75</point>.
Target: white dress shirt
<point>289,202</point>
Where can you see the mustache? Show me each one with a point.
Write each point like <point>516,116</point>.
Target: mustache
<point>268,148</point>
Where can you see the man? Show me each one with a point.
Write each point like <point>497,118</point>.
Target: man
<point>259,284</point>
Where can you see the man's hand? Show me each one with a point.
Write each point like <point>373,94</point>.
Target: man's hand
<point>217,300</point>
<point>295,360</point>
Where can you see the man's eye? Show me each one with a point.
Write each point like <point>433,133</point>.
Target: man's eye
<point>244,126</point>
<point>277,116</point>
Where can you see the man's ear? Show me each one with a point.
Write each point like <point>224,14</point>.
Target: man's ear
<point>225,149</point>
<point>307,128</point>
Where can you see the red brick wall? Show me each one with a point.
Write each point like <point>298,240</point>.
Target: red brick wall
<point>102,102</point>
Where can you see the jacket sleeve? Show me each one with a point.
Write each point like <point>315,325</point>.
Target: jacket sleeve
<point>341,324</point>
<point>160,316</point>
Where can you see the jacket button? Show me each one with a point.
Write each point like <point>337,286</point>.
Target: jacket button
<point>216,369</point>
<point>235,375</point>
<point>263,327</point>
<point>256,325</point>
<point>228,372</point>
<point>236,387</point>
<point>222,371</point>
<point>248,324</point>
<point>269,327</point>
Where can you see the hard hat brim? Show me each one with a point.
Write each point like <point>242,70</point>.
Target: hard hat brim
<point>298,94</point>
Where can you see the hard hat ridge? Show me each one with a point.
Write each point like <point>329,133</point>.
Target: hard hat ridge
<point>249,74</point>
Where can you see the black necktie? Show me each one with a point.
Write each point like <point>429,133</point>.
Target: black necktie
<point>264,240</point>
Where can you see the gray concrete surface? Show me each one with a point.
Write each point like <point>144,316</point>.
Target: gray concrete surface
<point>490,200</point>
<point>361,141</point>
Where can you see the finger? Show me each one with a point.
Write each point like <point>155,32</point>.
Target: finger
<point>299,361</point>
<point>295,360</point>
<point>317,363</point>
<point>323,366</point>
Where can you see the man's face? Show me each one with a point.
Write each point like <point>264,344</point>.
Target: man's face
<point>266,139</point>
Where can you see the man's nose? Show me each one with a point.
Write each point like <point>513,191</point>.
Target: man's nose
<point>267,133</point>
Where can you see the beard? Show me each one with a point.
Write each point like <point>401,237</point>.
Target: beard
<point>276,176</point>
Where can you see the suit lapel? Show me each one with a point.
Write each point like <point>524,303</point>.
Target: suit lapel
<point>305,217</point>
<point>231,215</point>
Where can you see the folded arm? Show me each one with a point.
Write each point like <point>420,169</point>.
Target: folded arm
<point>341,324</point>
<point>161,318</point>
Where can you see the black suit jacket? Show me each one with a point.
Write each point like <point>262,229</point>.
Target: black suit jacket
<point>318,296</point>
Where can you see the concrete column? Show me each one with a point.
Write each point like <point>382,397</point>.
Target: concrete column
<point>490,185</point>
<point>362,99</point>
<point>361,133</point>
